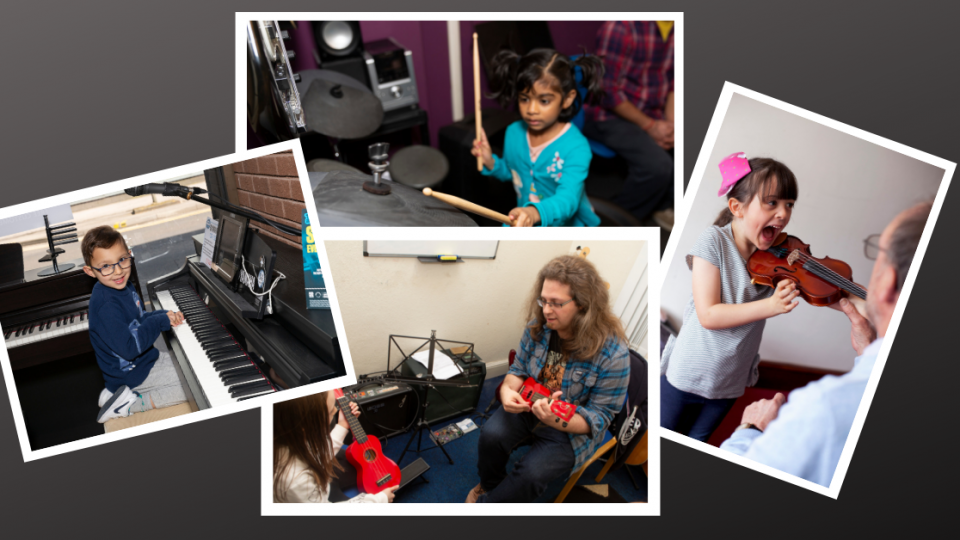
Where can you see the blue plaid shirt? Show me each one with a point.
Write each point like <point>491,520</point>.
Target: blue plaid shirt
<point>598,387</point>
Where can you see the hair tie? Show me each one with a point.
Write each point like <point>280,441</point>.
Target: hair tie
<point>732,169</point>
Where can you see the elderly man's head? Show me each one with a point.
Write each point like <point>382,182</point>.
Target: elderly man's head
<point>898,243</point>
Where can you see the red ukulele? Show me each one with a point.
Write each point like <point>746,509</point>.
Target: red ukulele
<point>532,391</point>
<point>375,471</point>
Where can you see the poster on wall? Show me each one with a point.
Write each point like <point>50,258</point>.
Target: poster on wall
<point>316,291</point>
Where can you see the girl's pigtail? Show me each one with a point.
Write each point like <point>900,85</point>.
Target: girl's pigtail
<point>591,66</point>
<point>503,80</point>
<point>726,216</point>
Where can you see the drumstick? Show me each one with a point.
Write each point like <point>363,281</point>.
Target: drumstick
<point>468,206</point>
<point>476,94</point>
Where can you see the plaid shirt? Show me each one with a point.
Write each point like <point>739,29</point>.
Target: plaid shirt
<point>638,68</point>
<point>598,387</point>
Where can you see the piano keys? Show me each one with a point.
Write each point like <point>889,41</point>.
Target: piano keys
<point>225,371</point>
<point>45,329</point>
<point>222,356</point>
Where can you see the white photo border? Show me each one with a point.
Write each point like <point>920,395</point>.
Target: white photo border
<point>729,89</point>
<point>651,508</point>
<point>160,176</point>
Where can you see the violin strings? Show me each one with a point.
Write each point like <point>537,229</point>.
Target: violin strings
<point>851,286</point>
<point>843,282</point>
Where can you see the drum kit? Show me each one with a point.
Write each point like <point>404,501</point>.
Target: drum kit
<point>339,107</point>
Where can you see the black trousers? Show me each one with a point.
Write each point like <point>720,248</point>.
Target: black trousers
<point>649,184</point>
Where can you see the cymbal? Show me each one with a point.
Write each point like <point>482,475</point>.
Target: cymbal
<point>419,166</point>
<point>330,165</point>
<point>339,106</point>
<point>342,202</point>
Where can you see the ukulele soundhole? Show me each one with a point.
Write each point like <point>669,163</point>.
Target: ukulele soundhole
<point>369,456</point>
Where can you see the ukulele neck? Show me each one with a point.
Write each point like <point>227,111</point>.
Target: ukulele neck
<point>359,434</point>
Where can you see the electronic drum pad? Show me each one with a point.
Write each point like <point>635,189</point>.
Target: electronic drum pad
<point>419,167</point>
<point>338,106</point>
<point>342,202</point>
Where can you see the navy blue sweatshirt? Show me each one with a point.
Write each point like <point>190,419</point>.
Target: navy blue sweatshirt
<point>122,335</point>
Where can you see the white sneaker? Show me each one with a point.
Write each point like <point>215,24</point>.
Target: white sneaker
<point>104,396</point>
<point>118,405</point>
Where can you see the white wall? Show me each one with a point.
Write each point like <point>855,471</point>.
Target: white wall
<point>849,189</point>
<point>479,301</point>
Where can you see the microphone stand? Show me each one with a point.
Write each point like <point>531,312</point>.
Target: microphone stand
<point>190,195</point>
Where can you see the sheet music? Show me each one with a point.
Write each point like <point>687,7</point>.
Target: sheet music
<point>443,366</point>
<point>209,240</point>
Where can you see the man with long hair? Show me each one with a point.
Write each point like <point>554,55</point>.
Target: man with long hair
<point>575,346</point>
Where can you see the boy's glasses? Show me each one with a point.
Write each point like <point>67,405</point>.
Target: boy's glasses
<point>554,305</point>
<point>109,269</point>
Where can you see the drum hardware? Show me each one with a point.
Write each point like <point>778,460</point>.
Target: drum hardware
<point>378,164</point>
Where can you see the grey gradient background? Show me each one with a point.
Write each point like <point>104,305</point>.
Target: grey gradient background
<point>117,89</point>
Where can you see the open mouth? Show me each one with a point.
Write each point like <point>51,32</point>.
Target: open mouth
<point>769,233</point>
<point>119,281</point>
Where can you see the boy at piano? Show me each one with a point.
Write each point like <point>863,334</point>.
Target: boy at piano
<point>137,376</point>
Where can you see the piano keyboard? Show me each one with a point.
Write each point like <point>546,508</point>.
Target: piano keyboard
<point>46,329</point>
<point>224,370</point>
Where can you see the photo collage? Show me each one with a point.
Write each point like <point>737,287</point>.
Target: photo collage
<point>457,262</point>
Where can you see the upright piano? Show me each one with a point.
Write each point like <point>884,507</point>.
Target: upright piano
<point>45,330</point>
<point>223,357</point>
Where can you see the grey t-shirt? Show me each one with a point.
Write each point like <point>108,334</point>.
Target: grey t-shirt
<point>717,364</point>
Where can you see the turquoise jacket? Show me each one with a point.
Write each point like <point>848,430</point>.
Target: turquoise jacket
<point>554,183</point>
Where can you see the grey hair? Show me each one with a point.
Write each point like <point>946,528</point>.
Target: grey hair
<point>905,239</point>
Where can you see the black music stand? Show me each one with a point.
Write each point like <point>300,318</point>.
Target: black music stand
<point>57,235</point>
<point>428,381</point>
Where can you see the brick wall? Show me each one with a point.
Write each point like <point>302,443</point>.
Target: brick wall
<point>270,185</point>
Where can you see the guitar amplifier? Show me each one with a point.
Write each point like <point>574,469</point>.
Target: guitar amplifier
<point>386,408</point>
<point>445,402</point>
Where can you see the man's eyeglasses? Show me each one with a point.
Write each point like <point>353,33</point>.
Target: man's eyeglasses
<point>555,305</point>
<point>871,247</point>
<point>109,269</point>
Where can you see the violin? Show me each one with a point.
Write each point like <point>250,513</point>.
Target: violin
<point>821,282</point>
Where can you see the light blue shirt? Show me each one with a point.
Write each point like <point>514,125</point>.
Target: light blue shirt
<point>554,183</point>
<point>808,435</point>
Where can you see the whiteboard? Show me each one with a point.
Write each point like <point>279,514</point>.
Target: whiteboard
<point>476,249</point>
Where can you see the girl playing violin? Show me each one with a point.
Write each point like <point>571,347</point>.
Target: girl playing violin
<point>707,366</point>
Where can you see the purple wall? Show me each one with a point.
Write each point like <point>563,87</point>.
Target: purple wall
<point>427,41</point>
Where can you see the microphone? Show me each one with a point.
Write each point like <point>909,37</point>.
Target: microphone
<point>166,189</point>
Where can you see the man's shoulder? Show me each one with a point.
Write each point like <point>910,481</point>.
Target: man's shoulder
<point>832,395</point>
<point>615,354</point>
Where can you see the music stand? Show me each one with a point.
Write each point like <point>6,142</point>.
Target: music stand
<point>57,235</point>
<point>427,381</point>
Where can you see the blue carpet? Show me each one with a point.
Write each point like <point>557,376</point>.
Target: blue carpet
<point>451,483</point>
